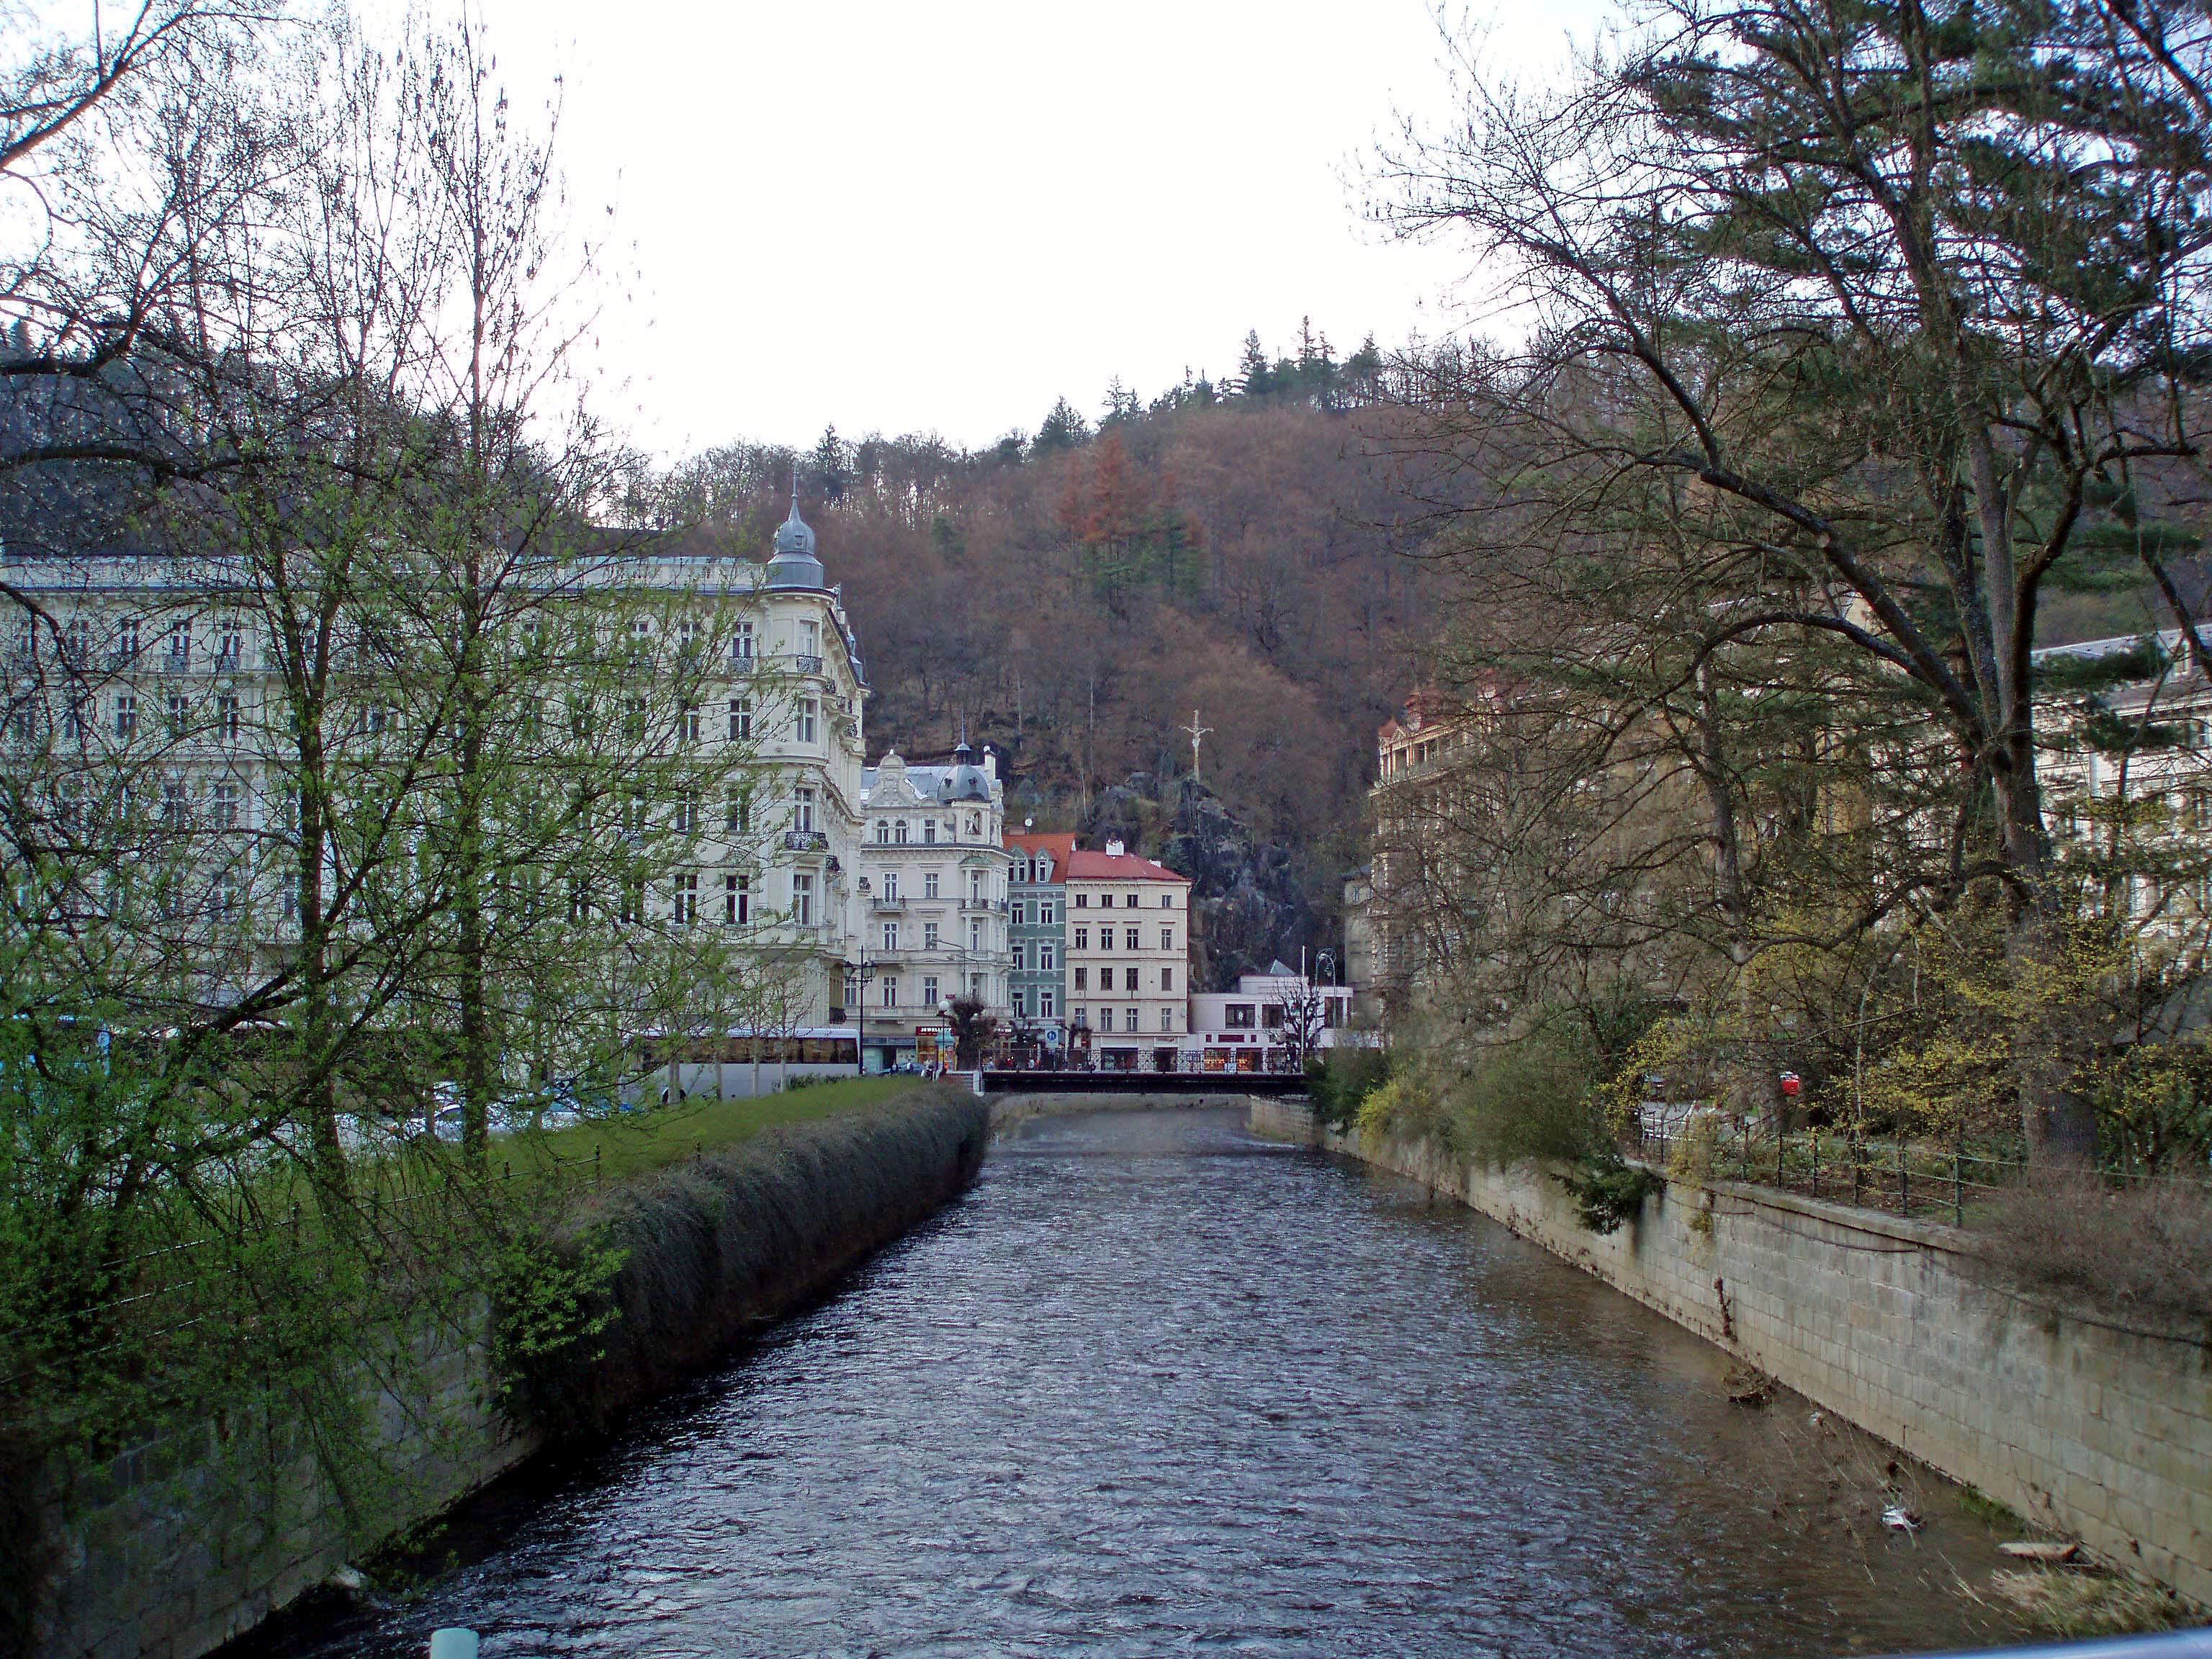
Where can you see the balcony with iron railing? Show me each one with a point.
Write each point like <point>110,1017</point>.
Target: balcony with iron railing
<point>805,841</point>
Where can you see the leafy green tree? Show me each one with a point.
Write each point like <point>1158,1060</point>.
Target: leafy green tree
<point>1900,296</point>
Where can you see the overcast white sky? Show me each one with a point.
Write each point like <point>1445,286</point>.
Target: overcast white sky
<point>940,215</point>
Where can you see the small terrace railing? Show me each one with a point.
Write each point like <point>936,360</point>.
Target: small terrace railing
<point>1921,1179</point>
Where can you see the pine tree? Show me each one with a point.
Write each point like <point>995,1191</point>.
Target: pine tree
<point>1063,429</point>
<point>1255,376</point>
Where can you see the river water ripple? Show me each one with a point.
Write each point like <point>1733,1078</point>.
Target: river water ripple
<point>1154,1386</point>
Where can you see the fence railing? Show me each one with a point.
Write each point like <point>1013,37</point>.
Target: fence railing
<point>1914,1178</point>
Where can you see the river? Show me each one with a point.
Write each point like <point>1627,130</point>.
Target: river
<point>1156,1387</point>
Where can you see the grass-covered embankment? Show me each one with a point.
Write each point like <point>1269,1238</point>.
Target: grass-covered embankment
<point>777,1197</point>
<point>623,1146</point>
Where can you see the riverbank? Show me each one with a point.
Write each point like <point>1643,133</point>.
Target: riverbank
<point>2087,1426</point>
<point>173,1548</point>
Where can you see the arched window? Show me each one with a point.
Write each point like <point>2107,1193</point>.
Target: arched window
<point>899,832</point>
<point>884,831</point>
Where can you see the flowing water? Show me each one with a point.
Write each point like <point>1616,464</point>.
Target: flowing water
<point>1155,1387</point>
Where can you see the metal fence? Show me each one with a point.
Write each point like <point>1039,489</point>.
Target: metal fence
<point>1921,1179</point>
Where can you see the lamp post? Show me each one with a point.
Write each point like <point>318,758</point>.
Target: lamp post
<point>863,971</point>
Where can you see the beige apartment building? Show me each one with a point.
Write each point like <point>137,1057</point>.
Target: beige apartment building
<point>1128,956</point>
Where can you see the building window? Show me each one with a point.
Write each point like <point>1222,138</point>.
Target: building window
<point>1167,938</point>
<point>1021,1005</point>
<point>226,805</point>
<point>929,884</point>
<point>1082,941</point>
<point>890,886</point>
<point>1077,1017</point>
<point>802,810</point>
<point>1167,980</point>
<point>1082,900</point>
<point>179,714</point>
<point>687,812</point>
<point>633,720</point>
<point>1082,977</point>
<point>883,832</point>
<point>852,989</point>
<point>975,887</point>
<point>687,898</point>
<point>736,900</point>
<point>1238,1017</point>
<point>1106,1020</point>
<point>126,716</point>
<point>810,638</point>
<point>1044,957</point>
<point>899,832</point>
<point>1045,912</point>
<point>975,986</point>
<point>891,936</point>
<point>176,810</point>
<point>1105,938</point>
<point>929,832</point>
<point>975,935</point>
<point>1044,1005</point>
<point>1021,913</point>
<point>741,720</point>
<point>126,639</point>
<point>226,716</point>
<point>1129,938</point>
<point>929,936</point>
<point>1167,1019</point>
<point>929,990</point>
<point>891,990</point>
<point>741,645</point>
<point>808,711</point>
<point>180,645</point>
<point>1129,1019</point>
<point>740,817</point>
<point>1129,979</point>
<point>1020,956</point>
<point>802,899</point>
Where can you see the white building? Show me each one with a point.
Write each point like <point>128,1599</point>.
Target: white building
<point>1267,1017</point>
<point>159,684</point>
<point>932,898</point>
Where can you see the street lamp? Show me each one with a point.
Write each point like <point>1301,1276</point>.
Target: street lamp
<point>862,972</point>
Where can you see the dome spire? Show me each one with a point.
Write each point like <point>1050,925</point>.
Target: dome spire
<point>794,564</point>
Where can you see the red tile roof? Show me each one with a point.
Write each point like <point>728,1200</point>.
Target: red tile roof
<point>1060,848</point>
<point>1087,866</point>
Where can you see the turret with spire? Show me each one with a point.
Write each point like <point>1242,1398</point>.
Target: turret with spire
<point>794,564</point>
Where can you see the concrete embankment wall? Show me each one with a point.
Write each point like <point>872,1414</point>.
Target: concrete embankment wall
<point>176,1546</point>
<point>2101,1431</point>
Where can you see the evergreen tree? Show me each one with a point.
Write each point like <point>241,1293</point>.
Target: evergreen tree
<point>1255,376</point>
<point>1063,429</point>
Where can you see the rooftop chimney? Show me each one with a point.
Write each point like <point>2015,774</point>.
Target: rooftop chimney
<point>990,763</point>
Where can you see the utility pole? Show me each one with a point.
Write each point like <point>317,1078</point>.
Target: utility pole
<point>1198,735</point>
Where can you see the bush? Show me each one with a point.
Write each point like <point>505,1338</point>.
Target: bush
<point>1339,1079</point>
<point>1530,1100</point>
<point>2147,1248</point>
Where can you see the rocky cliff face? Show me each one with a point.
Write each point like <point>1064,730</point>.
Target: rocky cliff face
<point>1248,903</point>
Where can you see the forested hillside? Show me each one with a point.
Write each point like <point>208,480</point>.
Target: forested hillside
<point>1073,597</point>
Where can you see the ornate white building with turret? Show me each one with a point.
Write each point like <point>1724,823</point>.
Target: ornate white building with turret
<point>932,895</point>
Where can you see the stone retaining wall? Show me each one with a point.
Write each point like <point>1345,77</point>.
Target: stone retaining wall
<point>178,1545</point>
<point>2100,1431</point>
